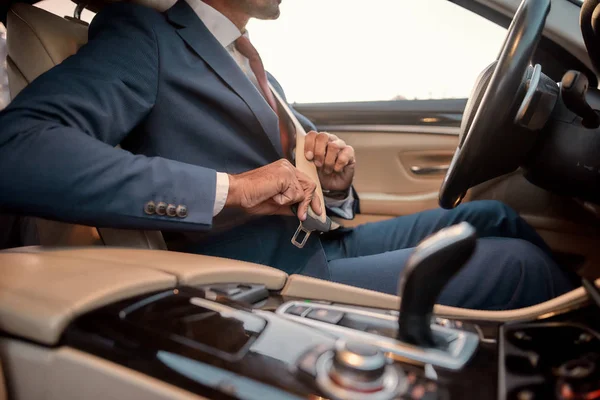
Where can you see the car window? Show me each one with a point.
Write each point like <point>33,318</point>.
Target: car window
<point>64,8</point>
<point>352,50</point>
<point>4,95</point>
<point>345,50</point>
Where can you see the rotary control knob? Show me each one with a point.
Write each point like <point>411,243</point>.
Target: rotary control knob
<point>358,371</point>
<point>358,366</point>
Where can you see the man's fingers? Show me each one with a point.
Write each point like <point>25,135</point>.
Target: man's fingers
<point>333,149</point>
<point>288,198</point>
<point>265,182</point>
<point>286,211</point>
<point>272,189</point>
<point>270,207</point>
<point>309,187</point>
<point>303,209</point>
<point>278,209</point>
<point>311,200</point>
<point>345,157</point>
<point>321,142</point>
<point>291,195</point>
<point>315,204</point>
<point>309,145</point>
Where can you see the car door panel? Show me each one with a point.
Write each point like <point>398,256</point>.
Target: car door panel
<point>388,177</point>
<point>402,159</point>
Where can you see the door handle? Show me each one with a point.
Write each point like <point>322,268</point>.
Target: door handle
<point>432,170</point>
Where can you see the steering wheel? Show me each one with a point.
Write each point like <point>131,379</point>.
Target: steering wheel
<point>491,144</point>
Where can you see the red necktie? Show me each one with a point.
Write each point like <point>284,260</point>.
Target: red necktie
<point>249,51</point>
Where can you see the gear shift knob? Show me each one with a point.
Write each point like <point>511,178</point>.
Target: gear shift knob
<point>434,262</point>
<point>573,88</point>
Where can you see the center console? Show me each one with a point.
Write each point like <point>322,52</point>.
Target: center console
<point>203,340</point>
<point>280,348</point>
<point>160,325</point>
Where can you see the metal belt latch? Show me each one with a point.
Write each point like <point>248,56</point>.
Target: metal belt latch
<point>301,229</point>
<point>309,225</point>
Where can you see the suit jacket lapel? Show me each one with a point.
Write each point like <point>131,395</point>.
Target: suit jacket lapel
<point>198,37</point>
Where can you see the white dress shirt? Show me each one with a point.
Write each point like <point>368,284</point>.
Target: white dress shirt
<point>226,34</point>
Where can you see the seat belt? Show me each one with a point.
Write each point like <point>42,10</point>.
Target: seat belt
<point>319,223</point>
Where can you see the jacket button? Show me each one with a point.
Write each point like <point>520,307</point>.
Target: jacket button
<point>150,208</point>
<point>161,208</point>
<point>182,211</point>
<point>171,210</point>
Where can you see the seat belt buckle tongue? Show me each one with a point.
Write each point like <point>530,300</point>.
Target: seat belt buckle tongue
<point>301,230</point>
<point>310,224</point>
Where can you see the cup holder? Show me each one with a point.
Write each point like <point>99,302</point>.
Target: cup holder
<point>581,368</point>
<point>565,356</point>
<point>579,379</point>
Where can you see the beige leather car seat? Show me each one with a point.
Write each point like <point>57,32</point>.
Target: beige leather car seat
<point>37,41</point>
<point>3,391</point>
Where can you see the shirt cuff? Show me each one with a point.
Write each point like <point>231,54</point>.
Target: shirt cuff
<point>221,193</point>
<point>343,208</point>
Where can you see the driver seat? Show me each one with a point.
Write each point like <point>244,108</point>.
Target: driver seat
<point>37,41</point>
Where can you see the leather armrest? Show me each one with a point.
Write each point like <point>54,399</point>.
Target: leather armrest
<point>42,293</point>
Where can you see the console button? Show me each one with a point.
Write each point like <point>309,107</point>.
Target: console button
<point>308,362</point>
<point>242,292</point>
<point>360,357</point>
<point>359,370</point>
<point>359,367</point>
<point>226,291</point>
<point>326,315</point>
<point>297,310</point>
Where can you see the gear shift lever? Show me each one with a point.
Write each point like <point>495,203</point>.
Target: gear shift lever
<point>434,262</point>
<point>573,88</point>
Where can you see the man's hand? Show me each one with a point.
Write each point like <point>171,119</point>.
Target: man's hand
<point>273,189</point>
<point>333,157</point>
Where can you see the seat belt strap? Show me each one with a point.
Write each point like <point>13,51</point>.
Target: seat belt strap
<point>320,223</point>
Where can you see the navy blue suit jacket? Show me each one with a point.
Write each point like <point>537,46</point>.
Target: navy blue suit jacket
<point>164,88</point>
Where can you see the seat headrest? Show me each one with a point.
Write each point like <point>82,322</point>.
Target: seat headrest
<point>97,5</point>
<point>39,40</point>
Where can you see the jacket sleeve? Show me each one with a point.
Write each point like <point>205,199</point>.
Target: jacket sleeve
<point>57,138</point>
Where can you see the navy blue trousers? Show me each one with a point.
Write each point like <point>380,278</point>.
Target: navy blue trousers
<point>512,266</point>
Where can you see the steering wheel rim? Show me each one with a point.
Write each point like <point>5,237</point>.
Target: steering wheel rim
<point>490,144</point>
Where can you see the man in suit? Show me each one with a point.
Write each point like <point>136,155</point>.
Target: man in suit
<point>204,158</point>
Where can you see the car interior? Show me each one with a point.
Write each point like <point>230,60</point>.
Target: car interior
<point>99,313</point>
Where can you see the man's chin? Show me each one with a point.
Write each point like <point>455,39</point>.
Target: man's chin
<point>269,10</point>
<point>269,14</point>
